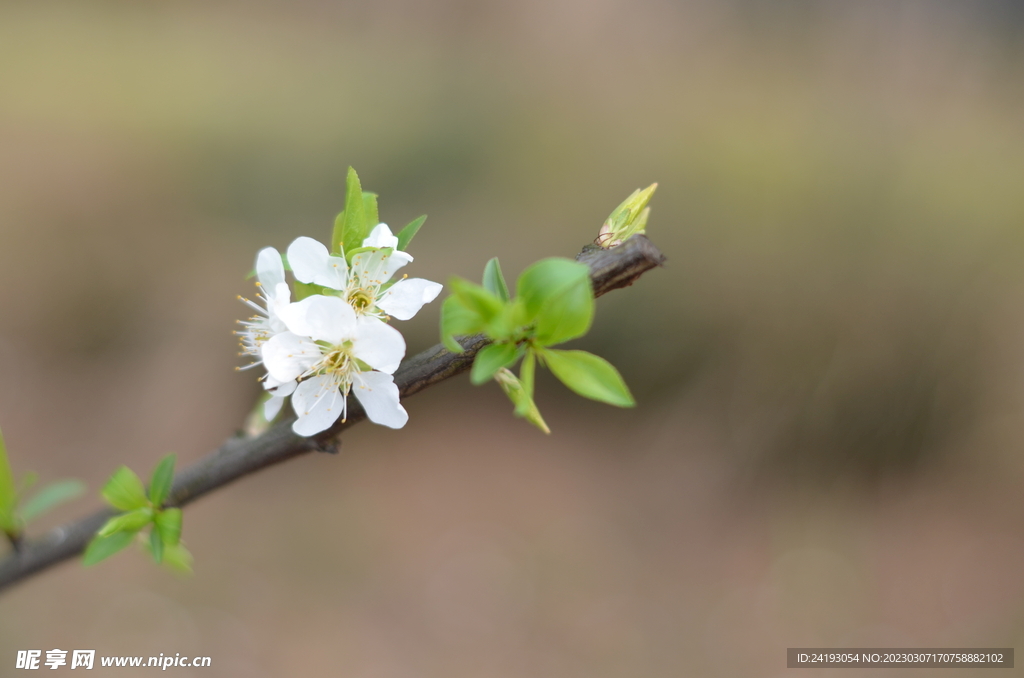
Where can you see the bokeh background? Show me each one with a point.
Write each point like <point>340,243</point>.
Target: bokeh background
<point>830,367</point>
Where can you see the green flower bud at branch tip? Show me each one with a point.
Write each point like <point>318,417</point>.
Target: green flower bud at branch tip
<point>628,219</point>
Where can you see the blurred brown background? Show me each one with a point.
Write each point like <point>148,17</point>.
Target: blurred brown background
<point>830,368</point>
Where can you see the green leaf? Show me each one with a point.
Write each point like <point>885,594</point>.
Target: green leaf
<point>51,496</point>
<point>156,546</point>
<point>589,375</point>
<point>160,484</point>
<point>525,407</point>
<point>558,297</point>
<point>526,373</point>
<point>370,217</point>
<point>8,494</point>
<point>178,558</point>
<point>406,234</point>
<point>355,219</point>
<point>101,548</point>
<point>567,315</point>
<point>337,235</point>
<point>124,490</point>
<point>496,317</point>
<point>457,319</point>
<point>168,524</point>
<point>474,297</point>
<point>494,281</point>
<point>491,359</point>
<point>133,521</point>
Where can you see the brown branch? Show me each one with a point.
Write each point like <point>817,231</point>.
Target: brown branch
<point>240,456</point>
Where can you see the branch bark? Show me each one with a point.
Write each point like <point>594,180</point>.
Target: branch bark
<point>239,456</point>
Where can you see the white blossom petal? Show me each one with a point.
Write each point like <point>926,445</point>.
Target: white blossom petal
<point>307,258</point>
<point>379,345</point>
<point>272,407</point>
<point>335,273</point>
<point>381,236</point>
<point>318,404</point>
<point>278,388</point>
<point>369,266</point>
<point>378,395</point>
<point>278,298</point>
<point>287,355</point>
<point>312,263</point>
<point>269,269</point>
<point>405,298</point>
<point>397,260</point>
<point>321,318</point>
<point>378,266</point>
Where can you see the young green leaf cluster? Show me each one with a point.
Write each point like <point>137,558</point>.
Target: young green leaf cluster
<point>554,303</point>
<point>125,492</point>
<point>15,510</point>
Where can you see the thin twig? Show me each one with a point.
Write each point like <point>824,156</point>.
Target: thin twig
<point>240,456</point>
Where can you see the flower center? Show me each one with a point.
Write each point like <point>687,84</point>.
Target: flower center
<point>337,360</point>
<point>360,299</point>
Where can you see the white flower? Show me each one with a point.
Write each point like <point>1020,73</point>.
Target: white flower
<point>274,295</point>
<point>361,284</point>
<point>331,352</point>
<point>278,390</point>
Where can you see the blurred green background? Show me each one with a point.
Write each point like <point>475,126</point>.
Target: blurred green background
<point>827,449</point>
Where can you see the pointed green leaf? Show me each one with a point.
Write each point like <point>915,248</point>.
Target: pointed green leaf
<point>156,546</point>
<point>370,216</point>
<point>51,496</point>
<point>492,358</point>
<point>406,234</point>
<point>457,319</point>
<point>124,490</point>
<point>590,376</point>
<point>489,309</point>
<point>526,374</point>
<point>178,558</point>
<point>356,229</point>
<point>558,297</point>
<point>8,495</point>
<point>133,521</point>
<point>524,405</point>
<point>160,484</point>
<point>168,524</point>
<point>101,548</point>
<point>546,278</point>
<point>567,315</point>
<point>494,281</point>
<point>337,235</point>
